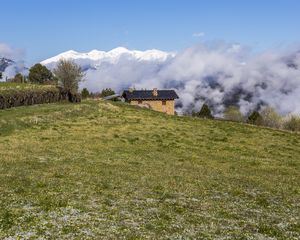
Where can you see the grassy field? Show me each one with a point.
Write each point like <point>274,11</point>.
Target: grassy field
<point>102,170</point>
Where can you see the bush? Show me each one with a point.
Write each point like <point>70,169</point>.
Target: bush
<point>14,95</point>
<point>233,113</point>
<point>292,123</point>
<point>254,118</point>
<point>25,97</point>
<point>18,78</point>
<point>74,97</point>
<point>270,118</point>
<point>205,112</point>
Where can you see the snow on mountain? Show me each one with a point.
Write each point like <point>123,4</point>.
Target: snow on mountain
<point>4,63</point>
<point>10,68</point>
<point>113,56</point>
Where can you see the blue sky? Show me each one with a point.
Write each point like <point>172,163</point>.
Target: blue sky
<point>46,28</point>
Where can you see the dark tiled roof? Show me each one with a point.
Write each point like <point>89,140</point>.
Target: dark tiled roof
<point>148,95</point>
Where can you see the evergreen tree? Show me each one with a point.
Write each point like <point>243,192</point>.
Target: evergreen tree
<point>255,118</point>
<point>85,93</point>
<point>205,112</point>
<point>0,75</point>
<point>40,74</point>
<point>107,92</point>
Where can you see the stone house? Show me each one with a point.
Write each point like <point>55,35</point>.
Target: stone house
<point>157,100</point>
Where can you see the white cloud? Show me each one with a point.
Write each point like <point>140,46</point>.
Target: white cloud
<point>199,34</point>
<point>220,74</point>
<point>10,52</point>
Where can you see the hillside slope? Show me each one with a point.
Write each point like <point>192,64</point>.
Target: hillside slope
<point>106,170</point>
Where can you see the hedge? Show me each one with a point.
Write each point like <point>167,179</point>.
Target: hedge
<point>29,95</point>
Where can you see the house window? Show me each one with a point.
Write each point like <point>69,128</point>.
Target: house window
<point>140,102</point>
<point>164,103</point>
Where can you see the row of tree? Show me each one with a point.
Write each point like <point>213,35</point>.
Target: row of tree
<point>104,93</point>
<point>67,75</point>
<point>266,117</point>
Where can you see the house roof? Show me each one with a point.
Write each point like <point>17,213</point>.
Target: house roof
<point>148,95</point>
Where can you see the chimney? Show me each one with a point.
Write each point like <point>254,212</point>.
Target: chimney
<point>154,92</point>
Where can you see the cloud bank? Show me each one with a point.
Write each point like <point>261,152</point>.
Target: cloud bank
<point>219,74</point>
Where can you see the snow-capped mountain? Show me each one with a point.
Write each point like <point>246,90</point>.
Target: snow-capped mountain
<point>4,63</point>
<point>95,58</point>
<point>118,68</point>
<point>10,68</point>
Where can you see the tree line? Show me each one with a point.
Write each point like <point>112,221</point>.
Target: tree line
<point>67,75</point>
<point>104,93</point>
<point>59,85</point>
<point>267,117</point>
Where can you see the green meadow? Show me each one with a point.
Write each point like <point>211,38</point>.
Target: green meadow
<point>105,170</point>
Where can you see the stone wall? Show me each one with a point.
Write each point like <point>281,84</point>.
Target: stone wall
<point>157,105</point>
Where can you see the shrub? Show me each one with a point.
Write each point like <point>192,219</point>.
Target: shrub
<point>74,97</point>
<point>85,93</point>
<point>14,95</point>
<point>292,123</point>
<point>233,113</point>
<point>69,96</point>
<point>255,118</point>
<point>205,112</point>
<point>18,78</point>
<point>270,118</point>
<point>28,96</point>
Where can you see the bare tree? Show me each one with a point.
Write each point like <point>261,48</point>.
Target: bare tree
<point>233,113</point>
<point>271,118</point>
<point>292,123</point>
<point>68,75</point>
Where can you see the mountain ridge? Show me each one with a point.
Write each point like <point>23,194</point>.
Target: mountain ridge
<point>111,56</point>
<point>4,63</point>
